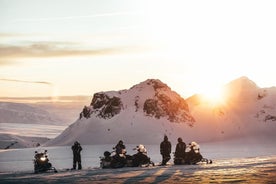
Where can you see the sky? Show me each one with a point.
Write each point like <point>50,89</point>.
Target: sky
<point>80,47</point>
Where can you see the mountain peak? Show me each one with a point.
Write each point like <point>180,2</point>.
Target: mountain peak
<point>242,89</point>
<point>155,83</point>
<point>243,82</point>
<point>152,98</point>
<point>146,111</point>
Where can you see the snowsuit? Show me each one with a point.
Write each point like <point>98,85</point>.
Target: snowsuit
<point>180,150</point>
<point>165,150</point>
<point>76,155</point>
<point>119,160</point>
<point>119,148</point>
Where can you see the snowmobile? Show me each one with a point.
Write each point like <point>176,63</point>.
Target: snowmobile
<point>41,162</point>
<point>192,156</point>
<point>112,160</point>
<point>141,158</point>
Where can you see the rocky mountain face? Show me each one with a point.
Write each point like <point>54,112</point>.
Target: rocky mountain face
<point>163,103</point>
<point>104,106</point>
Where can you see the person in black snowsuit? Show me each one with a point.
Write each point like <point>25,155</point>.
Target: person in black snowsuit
<point>180,148</point>
<point>180,151</point>
<point>76,155</point>
<point>119,160</point>
<point>120,148</point>
<point>165,150</point>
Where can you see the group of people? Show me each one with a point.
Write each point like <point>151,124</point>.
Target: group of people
<point>181,156</point>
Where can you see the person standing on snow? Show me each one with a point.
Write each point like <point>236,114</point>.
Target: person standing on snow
<point>165,150</point>
<point>76,148</point>
<point>180,148</point>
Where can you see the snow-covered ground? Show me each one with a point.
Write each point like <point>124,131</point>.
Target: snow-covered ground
<point>232,162</point>
<point>246,170</point>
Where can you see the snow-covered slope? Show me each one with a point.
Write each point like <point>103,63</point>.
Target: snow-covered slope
<point>23,113</point>
<point>144,113</point>
<point>147,111</point>
<point>9,141</point>
<point>247,111</point>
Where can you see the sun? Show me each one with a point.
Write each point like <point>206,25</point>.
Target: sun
<point>213,95</point>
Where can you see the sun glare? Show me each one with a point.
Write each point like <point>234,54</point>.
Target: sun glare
<point>213,96</point>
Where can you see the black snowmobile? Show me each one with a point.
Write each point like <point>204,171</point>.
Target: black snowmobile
<point>41,163</point>
<point>111,160</point>
<point>140,158</point>
<point>193,156</point>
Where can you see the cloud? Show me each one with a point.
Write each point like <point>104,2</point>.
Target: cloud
<point>24,81</point>
<point>14,54</point>
<point>8,35</point>
<point>53,49</point>
<point>4,62</point>
<point>112,14</point>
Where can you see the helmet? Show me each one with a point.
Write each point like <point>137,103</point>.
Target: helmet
<point>141,148</point>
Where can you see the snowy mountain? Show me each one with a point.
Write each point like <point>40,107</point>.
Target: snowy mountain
<point>144,113</point>
<point>26,114</point>
<point>147,111</point>
<point>246,112</point>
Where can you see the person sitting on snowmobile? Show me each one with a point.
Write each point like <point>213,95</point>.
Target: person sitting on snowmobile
<point>193,156</point>
<point>41,162</point>
<point>119,160</point>
<point>140,157</point>
<point>180,152</point>
<point>120,148</point>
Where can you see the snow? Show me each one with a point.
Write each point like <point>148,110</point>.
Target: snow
<point>25,125</point>
<point>233,161</point>
<point>235,135</point>
<point>10,141</point>
<point>247,170</point>
<point>242,115</point>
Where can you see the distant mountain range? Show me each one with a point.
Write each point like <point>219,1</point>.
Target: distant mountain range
<point>26,114</point>
<point>147,111</point>
<point>10,141</point>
